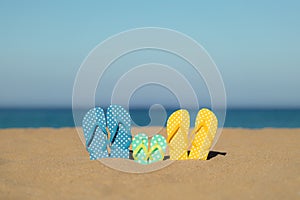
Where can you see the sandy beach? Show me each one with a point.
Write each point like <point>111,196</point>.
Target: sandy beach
<point>246,164</point>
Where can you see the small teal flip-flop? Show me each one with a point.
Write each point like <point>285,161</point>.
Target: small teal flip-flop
<point>158,146</point>
<point>140,148</point>
<point>94,128</point>
<point>119,124</point>
<point>157,150</point>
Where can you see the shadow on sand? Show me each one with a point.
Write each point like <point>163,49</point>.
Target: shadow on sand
<point>211,155</point>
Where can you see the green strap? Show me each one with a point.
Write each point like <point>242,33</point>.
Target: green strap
<point>138,149</point>
<point>156,146</point>
<point>148,154</point>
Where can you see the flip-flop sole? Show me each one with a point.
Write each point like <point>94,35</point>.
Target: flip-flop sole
<point>206,127</point>
<point>177,129</point>
<point>140,148</point>
<point>158,146</point>
<point>94,125</point>
<point>119,123</point>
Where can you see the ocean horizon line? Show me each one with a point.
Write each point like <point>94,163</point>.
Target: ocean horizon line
<point>147,108</point>
<point>63,117</point>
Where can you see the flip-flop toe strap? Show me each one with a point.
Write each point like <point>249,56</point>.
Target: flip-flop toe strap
<point>138,149</point>
<point>158,147</point>
<point>92,133</point>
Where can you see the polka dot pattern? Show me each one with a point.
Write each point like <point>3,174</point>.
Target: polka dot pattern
<point>177,129</point>
<point>119,125</point>
<point>206,126</point>
<point>142,155</point>
<point>94,128</point>
<point>156,154</point>
<point>93,125</point>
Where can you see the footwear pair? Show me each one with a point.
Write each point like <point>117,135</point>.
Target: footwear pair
<point>95,126</point>
<point>201,138</point>
<point>156,151</point>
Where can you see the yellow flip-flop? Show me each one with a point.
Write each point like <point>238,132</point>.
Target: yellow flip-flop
<point>206,125</point>
<point>177,129</point>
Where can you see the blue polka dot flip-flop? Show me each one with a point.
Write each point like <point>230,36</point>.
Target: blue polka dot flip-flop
<point>140,148</point>
<point>119,124</point>
<point>94,128</point>
<point>158,146</point>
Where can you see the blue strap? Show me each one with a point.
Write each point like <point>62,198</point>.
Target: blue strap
<point>92,133</point>
<point>115,131</point>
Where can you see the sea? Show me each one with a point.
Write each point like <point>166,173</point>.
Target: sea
<point>235,118</point>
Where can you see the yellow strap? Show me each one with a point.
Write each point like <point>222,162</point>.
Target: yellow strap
<point>172,134</point>
<point>137,150</point>
<point>148,154</point>
<point>196,130</point>
<point>156,146</point>
<point>201,125</point>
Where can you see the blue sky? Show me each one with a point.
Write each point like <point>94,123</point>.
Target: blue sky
<point>255,44</point>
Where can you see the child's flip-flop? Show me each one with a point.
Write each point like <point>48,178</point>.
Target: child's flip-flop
<point>157,150</point>
<point>204,132</point>
<point>177,129</point>
<point>140,148</point>
<point>119,123</point>
<point>94,128</point>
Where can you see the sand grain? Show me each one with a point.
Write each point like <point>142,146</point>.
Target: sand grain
<point>53,164</point>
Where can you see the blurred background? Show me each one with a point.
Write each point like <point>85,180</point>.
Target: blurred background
<point>255,45</point>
